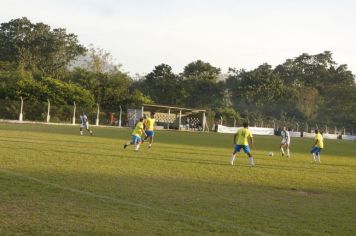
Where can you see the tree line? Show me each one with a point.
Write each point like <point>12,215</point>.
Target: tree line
<point>40,63</point>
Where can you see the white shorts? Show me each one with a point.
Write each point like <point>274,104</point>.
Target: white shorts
<point>86,125</point>
<point>284,142</point>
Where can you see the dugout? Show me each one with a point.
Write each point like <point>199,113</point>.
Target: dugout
<point>177,117</point>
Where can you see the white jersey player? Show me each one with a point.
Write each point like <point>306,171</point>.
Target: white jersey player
<point>285,142</point>
<point>84,123</point>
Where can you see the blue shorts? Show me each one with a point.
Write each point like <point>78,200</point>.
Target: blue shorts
<point>315,150</point>
<point>246,148</point>
<point>150,133</point>
<point>136,139</point>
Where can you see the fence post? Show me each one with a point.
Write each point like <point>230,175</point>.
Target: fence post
<point>48,111</point>
<point>97,115</point>
<point>169,116</point>
<point>21,109</point>
<point>204,122</point>
<point>74,110</point>
<point>120,117</point>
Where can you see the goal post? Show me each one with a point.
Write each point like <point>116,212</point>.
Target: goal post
<point>171,117</point>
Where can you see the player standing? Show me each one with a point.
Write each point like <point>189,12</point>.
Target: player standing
<point>243,134</point>
<point>136,135</point>
<point>84,123</point>
<point>149,128</point>
<point>318,146</point>
<point>285,142</point>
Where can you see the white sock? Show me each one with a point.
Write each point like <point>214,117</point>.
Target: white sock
<point>150,145</point>
<point>282,150</point>
<point>314,157</point>
<point>137,147</point>
<point>233,158</point>
<point>252,163</point>
<point>288,153</point>
<point>318,158</point>
<point>81,132</point>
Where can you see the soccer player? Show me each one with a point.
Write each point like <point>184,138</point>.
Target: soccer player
<point>149,128</point>
<point>318,146</point>
<point>136,135</point>
<point>84,123</point>
<point>242,135</point>
<point>285,142</point>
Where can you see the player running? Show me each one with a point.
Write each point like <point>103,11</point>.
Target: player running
<point>84,123</point>
<point>136,135</point>
<point>149,128</point>
<point>243,134</point>
<point>318,146</point>
<point>285,142</point>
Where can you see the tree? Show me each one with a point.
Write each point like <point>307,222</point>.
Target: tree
<point>201,71</point>
<point>162,86</point>
<point>200,82</point>
<point>37,47</point>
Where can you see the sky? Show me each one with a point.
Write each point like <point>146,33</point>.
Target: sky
<point>141,34</point>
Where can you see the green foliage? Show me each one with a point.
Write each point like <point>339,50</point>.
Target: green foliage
<point>58,92</point>
<point>37,47</point>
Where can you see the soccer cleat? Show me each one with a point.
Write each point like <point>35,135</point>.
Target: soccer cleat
<point>125,146</point>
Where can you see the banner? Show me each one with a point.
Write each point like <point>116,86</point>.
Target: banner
<point>349,137</point>
<point>295,134</point>
<point>326,136</point>
<point>330,136</point>
<point>254,130</point>
<point>308,135</point>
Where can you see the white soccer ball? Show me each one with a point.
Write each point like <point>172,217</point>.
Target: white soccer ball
<point>270,154</point>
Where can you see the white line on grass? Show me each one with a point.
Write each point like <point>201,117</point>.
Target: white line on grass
<point>73,190</point>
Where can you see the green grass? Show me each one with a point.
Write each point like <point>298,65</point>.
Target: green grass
<point>55,182</point>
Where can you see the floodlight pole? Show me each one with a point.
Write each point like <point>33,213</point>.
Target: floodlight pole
<point>221,120</point>
<point>120,117</point>
<point>21,109</point>
<point>97,115</point>
<point>48,111</point>
<point>234,122</point>
<point>74,110</point>
<point>142,110</point>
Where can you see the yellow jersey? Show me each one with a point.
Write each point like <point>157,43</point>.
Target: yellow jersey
<point>149,122</point>
<point>138,129</point>
<point>242,135</point>
<point>319,140</point>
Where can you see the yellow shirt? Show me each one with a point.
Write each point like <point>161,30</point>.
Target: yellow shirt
<point>138,129</point>
<point>149,122</point>
<point>242,135</point>
<point>319,140</point>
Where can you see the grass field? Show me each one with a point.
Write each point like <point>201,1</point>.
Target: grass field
<point>55,182</point>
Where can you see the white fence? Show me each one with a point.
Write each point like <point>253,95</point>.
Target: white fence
<point>254,130</point>
<point>270,131</point>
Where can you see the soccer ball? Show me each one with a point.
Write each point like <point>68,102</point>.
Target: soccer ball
<point>270,154</point>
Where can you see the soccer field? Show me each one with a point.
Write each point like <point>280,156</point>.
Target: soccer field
<point>55,182</point>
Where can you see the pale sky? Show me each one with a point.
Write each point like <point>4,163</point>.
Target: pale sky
<point>141,34</point>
